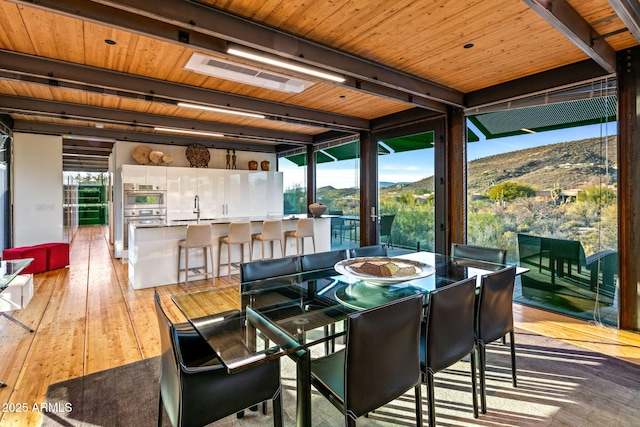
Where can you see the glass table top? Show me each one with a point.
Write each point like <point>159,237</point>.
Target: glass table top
<point>303,309</point>
<point>9,269</point>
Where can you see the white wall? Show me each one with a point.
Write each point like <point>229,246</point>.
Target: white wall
<point>37,189</point>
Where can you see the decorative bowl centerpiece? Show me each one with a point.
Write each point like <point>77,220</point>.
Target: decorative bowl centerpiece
<point>317,209</point>
<point>381,271</point>
<point>198,156</point>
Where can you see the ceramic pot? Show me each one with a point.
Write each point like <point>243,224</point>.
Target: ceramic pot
<point>264,165</point>
<point>253,165</point>
<point>317,209</point>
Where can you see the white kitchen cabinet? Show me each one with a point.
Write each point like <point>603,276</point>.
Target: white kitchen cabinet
<point>140,174</point>
<point>246,194</point>
<point>211,190</point>
<point>223,193</point>
<point>183,184</point>
<point>156,175</point>
<point>134,174</point>
<point>182,187</point>
<point>275,195</point>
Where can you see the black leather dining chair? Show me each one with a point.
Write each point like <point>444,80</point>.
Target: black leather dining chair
<point>373,250</point>
<point>494,319</point>
<point>196,389</point>
<point>322,260</point>
<point>257,270</point>
<point>380,362</point>
<point>264,269</point>
<point>466,255</point>
<point>448,336</point>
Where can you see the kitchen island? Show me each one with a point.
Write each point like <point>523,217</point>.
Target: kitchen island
<point>153,249</point>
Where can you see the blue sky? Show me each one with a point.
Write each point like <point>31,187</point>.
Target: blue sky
<point>412,166</point>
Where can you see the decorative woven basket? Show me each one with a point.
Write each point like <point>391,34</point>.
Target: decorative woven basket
<point>198,156</point>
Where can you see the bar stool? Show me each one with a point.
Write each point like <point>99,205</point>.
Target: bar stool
<point>239,234</point>
<point>198,237</point>
<point>271,232</point>
<point>303,229</point>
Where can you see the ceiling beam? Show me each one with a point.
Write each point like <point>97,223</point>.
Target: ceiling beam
<point>55,109</point>
<point>209,29</point>
<point>565,19</point>
<point>138,136</point>
<point>629,12</point>
<point>537,84</point>
<point>38,70</point>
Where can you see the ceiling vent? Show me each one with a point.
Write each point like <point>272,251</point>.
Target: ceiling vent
<point>247,74</point>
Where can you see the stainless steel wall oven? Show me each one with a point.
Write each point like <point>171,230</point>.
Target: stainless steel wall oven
<point>143,204</point>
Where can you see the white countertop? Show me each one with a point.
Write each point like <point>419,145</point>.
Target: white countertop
<point>184,222</point>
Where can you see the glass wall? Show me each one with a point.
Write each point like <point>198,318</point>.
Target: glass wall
<point>294,175</point>
<point>5,188</point>
<point>338,187</point>
<point>406,192</point>
<point>550,198</point>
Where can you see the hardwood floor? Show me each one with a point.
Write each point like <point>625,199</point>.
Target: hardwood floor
<point>87,318</point>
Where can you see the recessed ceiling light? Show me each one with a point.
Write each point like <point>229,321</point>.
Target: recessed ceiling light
<point>189,132</point>
<point>468,46</point>
<point>220,110</point>
<point>109,41</point>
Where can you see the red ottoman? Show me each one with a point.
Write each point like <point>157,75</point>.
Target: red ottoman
<point>57,255</point>
<point>38,253</point>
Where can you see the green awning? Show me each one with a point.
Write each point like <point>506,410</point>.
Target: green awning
<point>347,151</point>
<point>540,118</point>
<point>298,159</point>
<point>351,150</point>
<point>410,142</point>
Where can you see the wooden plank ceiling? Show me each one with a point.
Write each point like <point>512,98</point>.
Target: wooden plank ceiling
<point>115,69</point>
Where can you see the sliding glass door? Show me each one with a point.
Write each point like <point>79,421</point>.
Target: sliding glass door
<point>548,193</point>
<point>406,192</point>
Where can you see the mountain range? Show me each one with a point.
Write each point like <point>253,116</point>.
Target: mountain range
<point>565,165</point>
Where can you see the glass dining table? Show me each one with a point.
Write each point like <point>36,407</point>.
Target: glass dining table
<point>288,315</point>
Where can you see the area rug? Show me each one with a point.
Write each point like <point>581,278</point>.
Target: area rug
<point>558,385</point>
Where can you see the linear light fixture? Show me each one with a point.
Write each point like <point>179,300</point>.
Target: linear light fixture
<point>93,156</point>
<point>270,60</point>
<point>88,138</point>
<point>528,130</point>
<point>189,132</point>
<point>220,110</point>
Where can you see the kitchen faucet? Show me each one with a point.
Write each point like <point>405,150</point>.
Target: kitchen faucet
<point>196,208</point>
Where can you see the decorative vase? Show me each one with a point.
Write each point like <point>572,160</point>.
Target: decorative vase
<point>264,165</point>
<point>317,209</point>
<point>253,165</point>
